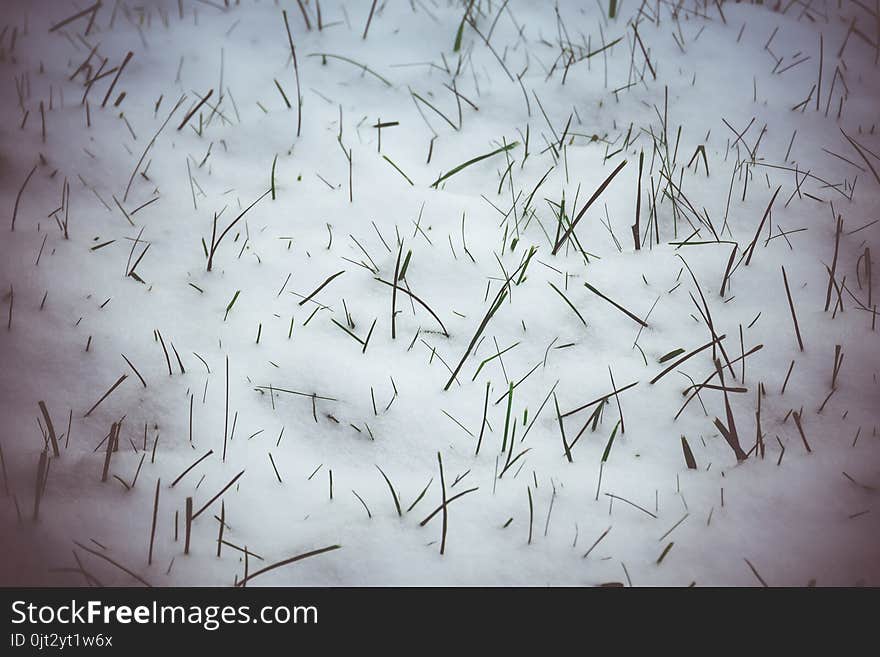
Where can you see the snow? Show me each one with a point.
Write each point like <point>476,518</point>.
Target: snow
<point>810,516</point>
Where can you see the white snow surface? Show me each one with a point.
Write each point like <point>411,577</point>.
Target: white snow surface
<point>813,516</point>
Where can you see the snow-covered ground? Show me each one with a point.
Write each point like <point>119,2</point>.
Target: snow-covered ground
<point>282,366</point>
